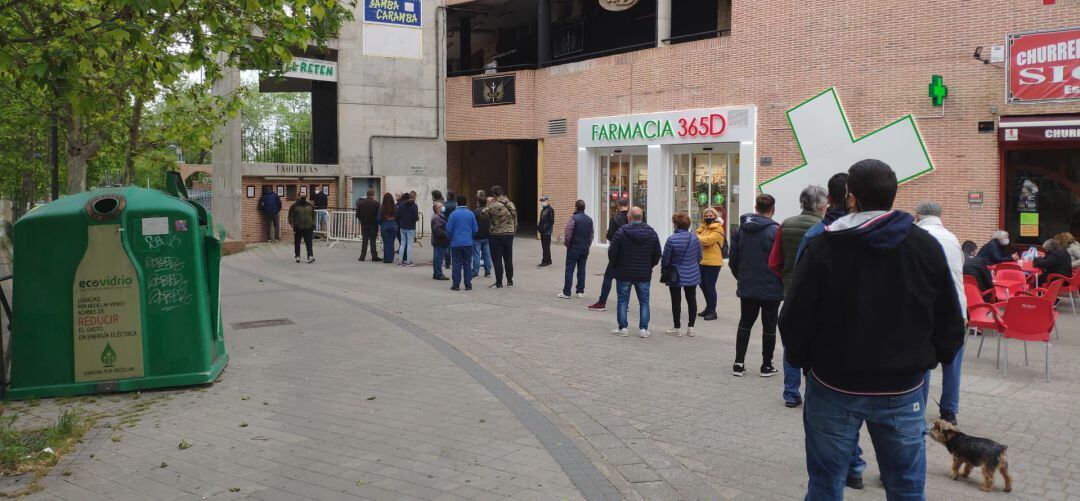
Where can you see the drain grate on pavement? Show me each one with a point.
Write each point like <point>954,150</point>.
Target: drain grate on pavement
<point>257,324</point>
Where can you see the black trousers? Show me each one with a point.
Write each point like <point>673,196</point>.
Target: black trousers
<point>769,312</point>
<point>306,236</point>
<point>273,223</point>
<point>502,253</point>
<point>545,246</point>
<point>367,237</point>
<point>676,303</point>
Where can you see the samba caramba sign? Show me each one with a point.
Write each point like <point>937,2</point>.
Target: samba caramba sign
<point>1044,66</point>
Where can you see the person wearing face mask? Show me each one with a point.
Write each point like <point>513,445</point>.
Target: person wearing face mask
<point>544,228</point>
<point>711,236</point>
<point>997,249</point>
<point>302,220</point>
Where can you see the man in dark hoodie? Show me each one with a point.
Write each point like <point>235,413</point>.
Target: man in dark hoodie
<point>759,288</point>
<point>872,307</point>
<point>634,251</point>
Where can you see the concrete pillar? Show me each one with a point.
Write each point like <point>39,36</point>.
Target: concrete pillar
<point>543,31</point>
<point>663,22</point>
<point>227,181</point>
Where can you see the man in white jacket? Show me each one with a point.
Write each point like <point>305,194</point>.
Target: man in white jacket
<point>928,217</point>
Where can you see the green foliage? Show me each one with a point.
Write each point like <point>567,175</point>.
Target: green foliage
<point>22,450</point>
<point>93,61</point>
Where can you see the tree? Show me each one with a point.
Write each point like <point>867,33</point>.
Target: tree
<point>98,62</point>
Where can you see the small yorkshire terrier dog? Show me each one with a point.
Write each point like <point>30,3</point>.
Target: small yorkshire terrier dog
<point>972,451</point>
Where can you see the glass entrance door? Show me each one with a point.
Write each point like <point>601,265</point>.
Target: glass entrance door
<point>620,175</point>
<point>703,180</point>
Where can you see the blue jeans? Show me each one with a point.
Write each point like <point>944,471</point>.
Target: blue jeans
<point>407,245</point>
<point>642,289</point>
<point>322,220</point>
<point>575,259</point>
<point>437,260</point>
<point>950,385</point>
<point>897,427</point>
<point>605,287</point>
<point>709,275</point>
<point>462,263</point>
<point>481,250</point>
<point>792,382</point>
<point>389,231</point>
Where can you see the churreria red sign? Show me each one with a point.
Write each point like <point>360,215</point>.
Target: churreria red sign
<point>1044,66</point>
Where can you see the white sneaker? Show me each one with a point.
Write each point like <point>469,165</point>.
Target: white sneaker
<point>580,295</point>
<point>562,296</point>
<point>689,332</point>
<point>643,333</point>
<point>620,332</point>
<point>673,332</point>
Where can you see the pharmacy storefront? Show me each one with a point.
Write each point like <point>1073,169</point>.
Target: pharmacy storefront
<point>680,161</point>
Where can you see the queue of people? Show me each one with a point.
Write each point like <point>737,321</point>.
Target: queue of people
<point>824,280</point>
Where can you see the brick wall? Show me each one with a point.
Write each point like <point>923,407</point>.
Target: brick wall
<point>879,55</point>
<point>254,226</point>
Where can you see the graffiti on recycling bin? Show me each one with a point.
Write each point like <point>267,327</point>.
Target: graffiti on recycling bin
<point>169,289</point>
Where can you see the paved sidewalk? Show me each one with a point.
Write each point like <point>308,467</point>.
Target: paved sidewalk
<point>511,392</point>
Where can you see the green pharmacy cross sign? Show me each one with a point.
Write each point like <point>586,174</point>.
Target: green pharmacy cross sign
<point>938,90</point>
<point>828,146</point>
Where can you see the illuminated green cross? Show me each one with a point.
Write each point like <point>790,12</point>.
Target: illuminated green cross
<point>938,90</point>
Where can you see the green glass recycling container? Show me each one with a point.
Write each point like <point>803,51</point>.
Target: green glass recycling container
<point>115,289</point>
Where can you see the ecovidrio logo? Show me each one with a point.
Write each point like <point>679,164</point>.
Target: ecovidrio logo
<point>113,281</point>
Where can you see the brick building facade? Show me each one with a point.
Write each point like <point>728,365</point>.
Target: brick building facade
<point>879,56</point>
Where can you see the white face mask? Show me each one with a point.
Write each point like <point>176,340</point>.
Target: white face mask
<point>1004,241</point>
<point>545,204</point>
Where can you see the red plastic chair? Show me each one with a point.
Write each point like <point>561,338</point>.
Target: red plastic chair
<point>1008,265</point>
<point>1026,318</point>
<point>981,314</point>
<point>1050,292</point>
<point>1072,286</point>
<point>988,294</point>
<point>1008,282</point>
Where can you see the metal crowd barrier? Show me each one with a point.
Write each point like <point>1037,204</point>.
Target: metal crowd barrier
<point>342,226</point>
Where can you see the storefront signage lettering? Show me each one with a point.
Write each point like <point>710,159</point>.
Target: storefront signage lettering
<point>395,12</point>
<point>1044,66</point>
<point>296,169</point>
<point>1045,134</point>
<point>709,125</point>
<point>712,125</point>
<point>312,69</point>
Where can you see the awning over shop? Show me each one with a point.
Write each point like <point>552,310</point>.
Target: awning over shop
<point>1039,129</point>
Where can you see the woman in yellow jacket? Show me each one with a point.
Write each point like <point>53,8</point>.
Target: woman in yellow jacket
<point>711,235</point>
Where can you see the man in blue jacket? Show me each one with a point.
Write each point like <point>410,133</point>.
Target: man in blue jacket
<point>462,227</point>
<point>577,237</point>
<point>270,207</point>
<point>633,253</point>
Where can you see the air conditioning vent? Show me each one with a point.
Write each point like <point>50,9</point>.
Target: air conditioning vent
<point>738,118</point>
<point>557,127</point>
